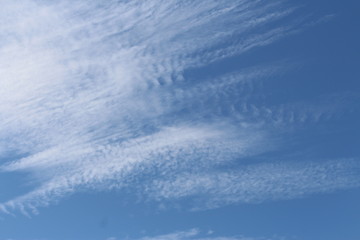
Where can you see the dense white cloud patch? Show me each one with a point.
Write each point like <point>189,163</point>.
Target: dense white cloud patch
<point>94,94</point>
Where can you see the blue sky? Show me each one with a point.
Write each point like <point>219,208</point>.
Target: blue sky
<point>179,120</point>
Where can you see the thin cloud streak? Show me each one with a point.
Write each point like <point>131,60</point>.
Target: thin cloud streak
<point>259,182</point>
<point>196,234</point>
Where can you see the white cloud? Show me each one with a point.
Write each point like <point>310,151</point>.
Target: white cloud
<point>95,93</point>
<point>190,234</point>
<point>195,234</point>
<point>259,182</point>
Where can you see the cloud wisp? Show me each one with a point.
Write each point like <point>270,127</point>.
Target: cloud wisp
<point>258,182</point>
<point>97,95</point>
<point>196,234</point>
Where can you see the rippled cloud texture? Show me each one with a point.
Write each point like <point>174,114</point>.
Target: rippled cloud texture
<point>105,95</point>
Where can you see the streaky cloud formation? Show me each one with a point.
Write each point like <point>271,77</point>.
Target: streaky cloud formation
<point>196,234</point>
<point>259,182</point>
<point>100,95</point>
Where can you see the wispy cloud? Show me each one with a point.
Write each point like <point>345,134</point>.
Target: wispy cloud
<point>196,234</point>
<point>96,94</point>
<point>259,182</point>
<point>190,234</point>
